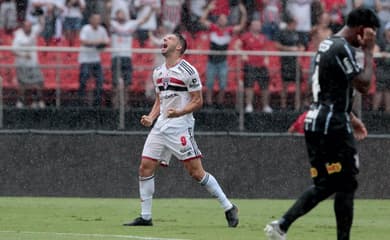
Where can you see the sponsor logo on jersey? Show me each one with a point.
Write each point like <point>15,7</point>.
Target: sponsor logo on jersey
<point>169,96</point>
<point>313,172</point>
<point>194,83</point>
<point>333,168</point>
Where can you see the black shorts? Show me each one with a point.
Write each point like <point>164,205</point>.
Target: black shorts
<point>252,74</point>
<point>333,159</point>
<point>124,67</point>
<point>289,72</point>
<point>382,79</point>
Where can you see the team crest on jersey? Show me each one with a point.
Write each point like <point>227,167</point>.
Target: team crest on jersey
<point>165,82</point>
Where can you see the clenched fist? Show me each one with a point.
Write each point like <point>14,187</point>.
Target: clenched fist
<point>146,121</point>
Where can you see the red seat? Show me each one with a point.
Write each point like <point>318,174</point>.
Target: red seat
<point>275,85</point>
<point>69,79</point>
<point>49,76</point>
<point>9,77</point>
<point>70,58</point>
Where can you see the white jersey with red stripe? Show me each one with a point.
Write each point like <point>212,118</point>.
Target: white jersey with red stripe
<point>174,85</point>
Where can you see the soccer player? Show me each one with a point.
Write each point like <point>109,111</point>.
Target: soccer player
<point>330,125</point>
<point>179,94</point>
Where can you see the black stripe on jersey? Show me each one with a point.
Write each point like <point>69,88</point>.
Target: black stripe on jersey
<point>188,68</point>
<point>193,143</point>
<point>173,88</point>
<point>354,63</point>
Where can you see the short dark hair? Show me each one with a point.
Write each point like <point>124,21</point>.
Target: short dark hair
<point>182,41</point>
<point>288,18</point>
<point>362,16</point>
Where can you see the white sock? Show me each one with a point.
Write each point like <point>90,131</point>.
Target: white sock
<point>212,186</point>
<point>146,191</point>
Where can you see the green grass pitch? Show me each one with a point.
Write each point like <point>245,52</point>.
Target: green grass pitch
<point>197,219</point>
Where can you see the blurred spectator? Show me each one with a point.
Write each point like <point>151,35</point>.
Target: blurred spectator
<point>270,17</point>
<point>171,13</point>
<point>234,16</point>
<point>335,10</point>
<point>373,4</point>
<point>122,31</point>
<point>383,73</point>
<point>27,67</point>
<point>298,125</point>
<point>220,37</point>
<point>288,40</point>
<point>222,7</point>
<point>35,10</point>
<point>143,9</point>
<point>73,16</point>
<point>123,5</point>
<point>105,13</point>
<point>93,37</point>
<point>384,16</point>
<point>156,39</point>
<point>252,8</point>
<point>317,8</point>
<point>300,10</point>
<point>52,29</point>
<point>193,12</point>
<point>255,68</point>
<point>8,16</point>
<point>320,31</point>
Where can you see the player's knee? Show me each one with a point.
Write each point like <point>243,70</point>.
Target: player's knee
<point>145,171</point>
<point>196,174</point>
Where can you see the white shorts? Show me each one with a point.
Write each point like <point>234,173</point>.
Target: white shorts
<point>160,146</point>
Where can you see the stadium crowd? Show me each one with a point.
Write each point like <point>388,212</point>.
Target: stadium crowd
<point>288,26</point>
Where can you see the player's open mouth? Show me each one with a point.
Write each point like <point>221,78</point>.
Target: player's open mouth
<point>164,45</point>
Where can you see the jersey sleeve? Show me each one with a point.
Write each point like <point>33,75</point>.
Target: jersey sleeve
<point>193,82</point>
<point>154,79</point>
<point>346,60</point>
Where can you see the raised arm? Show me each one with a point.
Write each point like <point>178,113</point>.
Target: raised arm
<point>206,12</point>
<point>146,17</point>
<point>362,81</point>
<point>243,19</point>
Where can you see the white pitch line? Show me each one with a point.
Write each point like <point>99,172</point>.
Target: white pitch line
<point>94,235</point>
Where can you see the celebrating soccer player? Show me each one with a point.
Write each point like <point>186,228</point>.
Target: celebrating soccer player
<point>179,94</point>
<point>330,125</point>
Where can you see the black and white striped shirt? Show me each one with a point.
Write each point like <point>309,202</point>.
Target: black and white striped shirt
<point>332,89</point>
